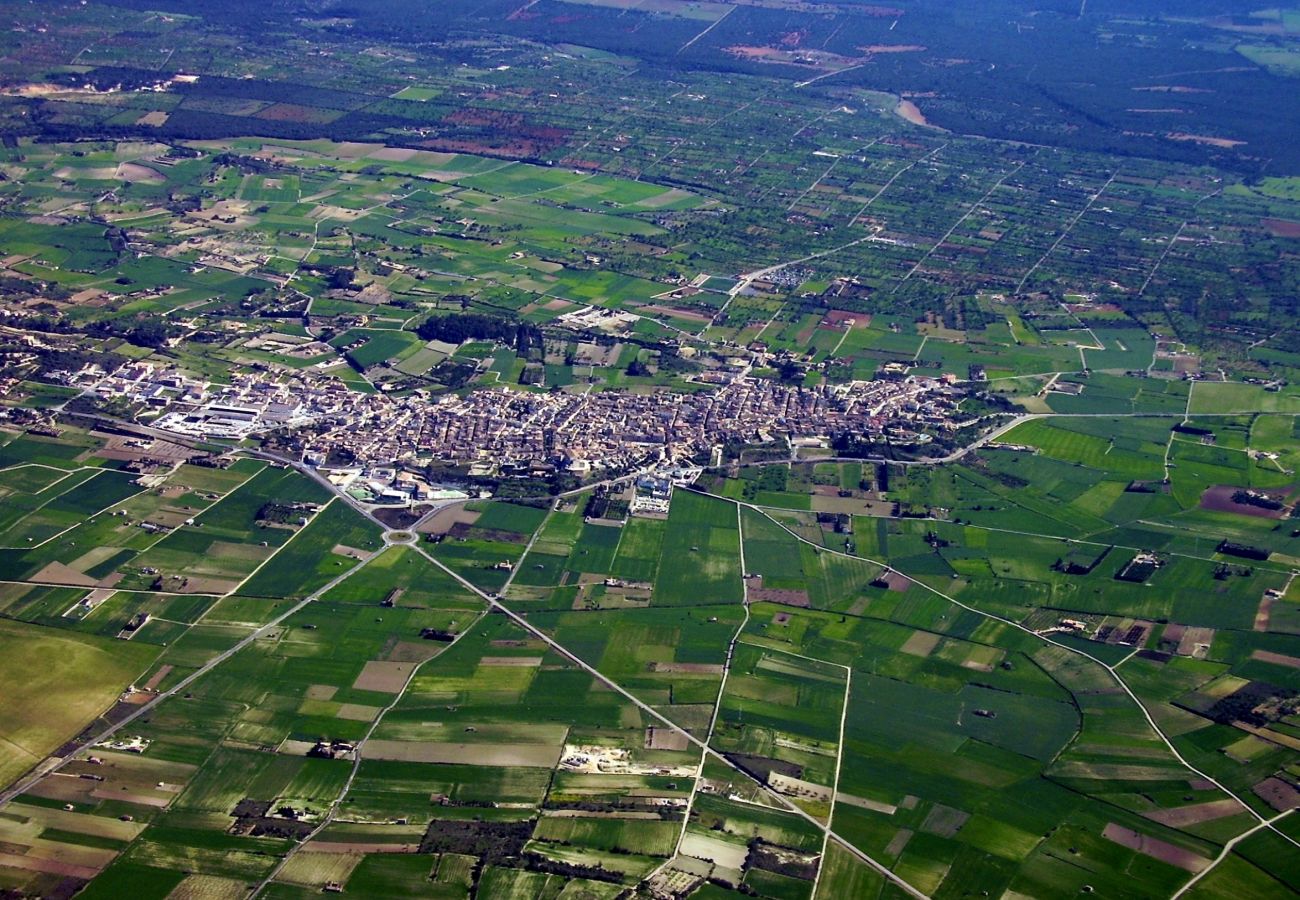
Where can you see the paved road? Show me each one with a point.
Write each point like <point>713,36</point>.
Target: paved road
<point>608,482</point>
<point>653,713</point>
<point>45,768</point>
<point>717,704</point>
<point>342,795</point>
<point>521,621</point>
<point>1111,669</point>
<point>312,473</point>
<point>197,444</point>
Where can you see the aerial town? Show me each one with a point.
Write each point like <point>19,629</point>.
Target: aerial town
<point>584,432</point>
<point>590,431</point>
<point>656,450</point>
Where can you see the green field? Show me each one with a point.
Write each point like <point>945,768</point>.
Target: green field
<point>975,404</point>
<point>697,563</point>
<point>58,684</point>
<point>320,552</point>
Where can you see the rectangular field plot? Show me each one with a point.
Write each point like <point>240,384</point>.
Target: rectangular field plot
<point>335,539</point>
<point>783,569</point>
<point>699,563</point>
<point>229,540</point>
<point>46,705</point>
<point>780,716</point>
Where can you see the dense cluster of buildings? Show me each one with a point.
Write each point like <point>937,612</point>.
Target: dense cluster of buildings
<point>196,408</point>
<point>619,430</point>
<point>506,430</point>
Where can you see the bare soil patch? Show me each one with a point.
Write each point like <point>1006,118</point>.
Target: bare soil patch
<point>1277,659</point>
<point>1264,615</point>
<point>1183,816</point>
<point>353,552</point>
<point>897,581</point>
<point>921,643</point>
<point>1204,139</point>
<point>910,112</point>
<point>413,651</point>
<point>58,573</point>
<point>722,853</point>
<point>839,318</point>
<point>382,676</point>
<point>136,173</point>
<point>50,866</point>
<point>1277,794</point>
<point>863,803</point>
<point>400,516</point>
<point>672,195</point>
<point>159,449</point>
<point>157,678</point>
<point>1193,639</point>
<point>1284,228</point>
<point>1219,498</point>
<point>944,821</point>
<point>664,739</point>
<point>356,712</point>
<point>537,756</point>
<point>92,173</point>
<point>1156,849</point>
<point>758,594</point>
<point>196,585</point>
<point>154,117</point>
<point>357,847</point>
<point>63,789</point>
<point>677,313</point>
<point>797,787</point>
<point>393,154</point>
<point>687,668</point>
<point>899,842</point>
<point>447,518</point>
<point>133,797</point>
